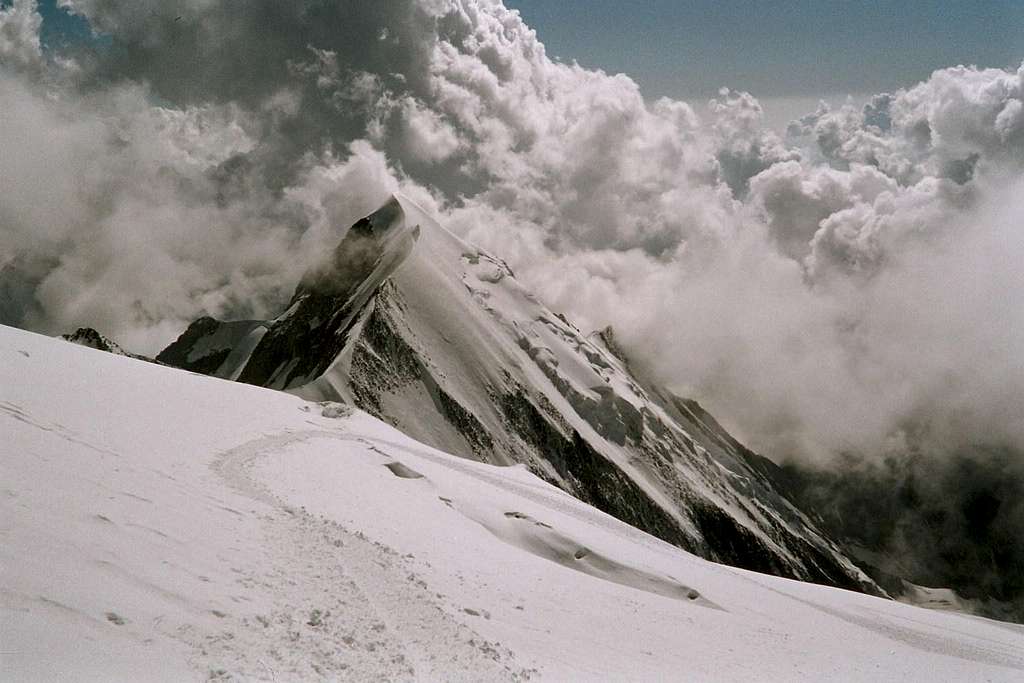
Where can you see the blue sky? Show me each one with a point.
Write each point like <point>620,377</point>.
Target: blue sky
<point>59,26</point>
<point>789,53</point>
<point>793,49</point>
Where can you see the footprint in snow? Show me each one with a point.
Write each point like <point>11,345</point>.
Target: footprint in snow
<point>544,541</point>
<point>524,516</point>
<point>403,471</point>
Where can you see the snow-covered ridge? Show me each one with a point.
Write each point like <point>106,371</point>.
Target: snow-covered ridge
<point>439,338</point>
<point>159,525</point>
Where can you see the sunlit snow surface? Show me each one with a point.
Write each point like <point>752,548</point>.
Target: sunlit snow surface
<point>156,524</point>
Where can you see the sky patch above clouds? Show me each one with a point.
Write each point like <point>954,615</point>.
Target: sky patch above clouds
<point>844,285</point>
<point>786,48</point>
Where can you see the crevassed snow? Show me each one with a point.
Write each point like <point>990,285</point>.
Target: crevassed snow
<point>159,525</point>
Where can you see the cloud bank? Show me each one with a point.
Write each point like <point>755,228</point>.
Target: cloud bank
<point>847,288</point>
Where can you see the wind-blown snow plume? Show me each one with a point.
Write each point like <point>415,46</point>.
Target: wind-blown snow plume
<point>849,288</point>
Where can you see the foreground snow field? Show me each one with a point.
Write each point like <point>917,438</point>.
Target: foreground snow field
<point>161,525</point>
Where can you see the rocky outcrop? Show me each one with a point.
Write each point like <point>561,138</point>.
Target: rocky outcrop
<point>88,337</point>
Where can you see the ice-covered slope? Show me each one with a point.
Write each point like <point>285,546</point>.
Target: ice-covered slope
<point>438,338</point>
<point>160,525</point>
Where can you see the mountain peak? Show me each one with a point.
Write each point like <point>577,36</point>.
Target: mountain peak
<point>418,327</point>
<point>359,252</point>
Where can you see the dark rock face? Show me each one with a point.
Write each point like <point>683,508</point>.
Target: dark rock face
<point>177,353</point>
<point>206,344</point>
<point>361,329</point>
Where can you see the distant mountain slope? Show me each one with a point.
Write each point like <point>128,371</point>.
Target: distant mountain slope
<point>438,338</point>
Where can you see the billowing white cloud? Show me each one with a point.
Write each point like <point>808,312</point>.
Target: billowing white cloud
<point>744,146</point>
<point>832,290</point>
<point>19,36</point>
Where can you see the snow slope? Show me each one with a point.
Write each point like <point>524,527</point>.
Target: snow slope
<point>161,525</point>
<point>439,339</point>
